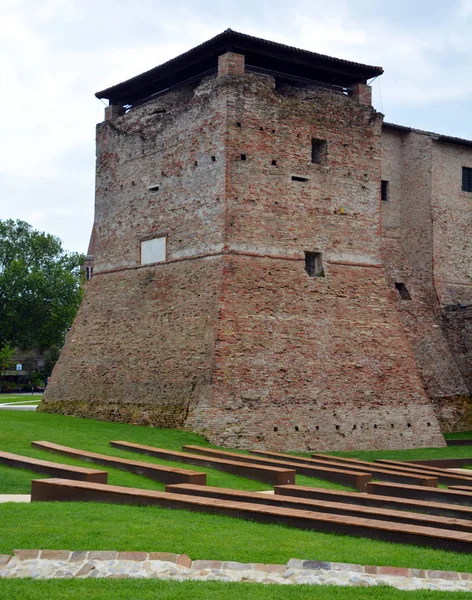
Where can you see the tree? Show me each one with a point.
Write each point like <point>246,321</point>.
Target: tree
<point>6,355</point>
<point>40,288</point>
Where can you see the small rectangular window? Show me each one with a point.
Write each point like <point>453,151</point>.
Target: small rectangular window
<point>466,179</point>
<point>314,264</point>
<point>384,190</point>
<point>153,251</point>
<point>319,151</point>
<point>403,291</point>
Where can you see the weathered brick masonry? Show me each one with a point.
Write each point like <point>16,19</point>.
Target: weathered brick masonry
<point>241,171</point>
<point>426,232</point>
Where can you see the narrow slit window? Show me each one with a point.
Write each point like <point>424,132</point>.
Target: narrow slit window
<point>300,178</point>
<point>384,190</point>
<point>319,151</point>
<point>403,291</point>
<point>314,264</point>
<point>466,179</point>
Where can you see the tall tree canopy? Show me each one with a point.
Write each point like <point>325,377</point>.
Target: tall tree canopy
<point>39,287</point>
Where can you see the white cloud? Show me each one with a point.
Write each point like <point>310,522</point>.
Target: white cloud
<point>62,51</point>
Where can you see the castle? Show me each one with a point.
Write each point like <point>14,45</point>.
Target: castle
<point>273,266</point>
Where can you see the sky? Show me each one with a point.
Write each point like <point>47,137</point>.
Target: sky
<point>57,53</point>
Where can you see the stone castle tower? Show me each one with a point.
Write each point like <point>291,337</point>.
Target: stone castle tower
<point>242,287</point>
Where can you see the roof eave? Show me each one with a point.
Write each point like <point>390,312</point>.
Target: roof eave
<point>233,41</point>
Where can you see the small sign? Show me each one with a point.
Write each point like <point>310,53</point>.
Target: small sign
<point>19,367</point>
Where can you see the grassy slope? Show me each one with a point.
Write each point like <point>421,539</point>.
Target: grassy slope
<point>19,429</point>
<point>176,590</point>
<point>78,526</point>
<point>28,398</point>
<point>460,435</point>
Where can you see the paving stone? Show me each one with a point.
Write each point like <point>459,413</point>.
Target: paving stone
<point>418,573</point>
<point>276,568</point>
<point>316,564</point>
<point>55,554</point>
<point>371,569</point>
<point>164,556</point>
<point>78,555</point>
<point>207,564</point>
<point>295,563</point>
<point>5,559</point>
<point>235,566</point>
<point>140,556</point>
<point>184,561</point>
<point>335,566</point>
<point>443,575</point>
<point>398,571</point>
<point>26,554</point>
<point>102,555</point>
<point>85,570</point>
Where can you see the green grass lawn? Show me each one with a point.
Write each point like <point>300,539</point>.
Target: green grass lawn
<point>461,435</point>
<point>86,526</point>
<point>24,398</point>
<point>19,429</point>
<point>196,590</point>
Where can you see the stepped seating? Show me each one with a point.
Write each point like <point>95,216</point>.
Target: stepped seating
<point>53,469</point>
<point>376,501</point>
<point>266,474</point>
<point>68,490</point>
<point>444,463</point>
<point>350,477</point>
<point>159,473</point>
<point>337,508</point>
<point>382,473</point>
<point>444,477</point>
<point>421,493</point>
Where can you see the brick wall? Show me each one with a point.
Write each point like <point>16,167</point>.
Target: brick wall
<point>301,362</point>
<point>230,336</point>
<point>423,230</point>
<point>141,347</point>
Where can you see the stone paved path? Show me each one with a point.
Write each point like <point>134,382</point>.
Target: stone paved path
<point>47,564</point>
<point>15,498</point>
<point>16,406</point>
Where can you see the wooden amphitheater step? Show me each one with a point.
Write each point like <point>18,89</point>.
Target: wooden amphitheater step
<point>69,491</point>
<point>444,477</point>
<point>267,474</point>
<point>464,488</point>
<point>420,493</point>
<point>382,473</point>
<point>52,468</point>
<point>354,478</point>
<point>376,501</point>
<point>336,508</point>
<point>160,473</point>
<point>444,463</point>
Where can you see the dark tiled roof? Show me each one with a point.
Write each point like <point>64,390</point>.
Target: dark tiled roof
<point>259,53</point>
<point>435,136</point>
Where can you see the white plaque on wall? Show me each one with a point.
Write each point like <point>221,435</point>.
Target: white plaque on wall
<point>154,250</point>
